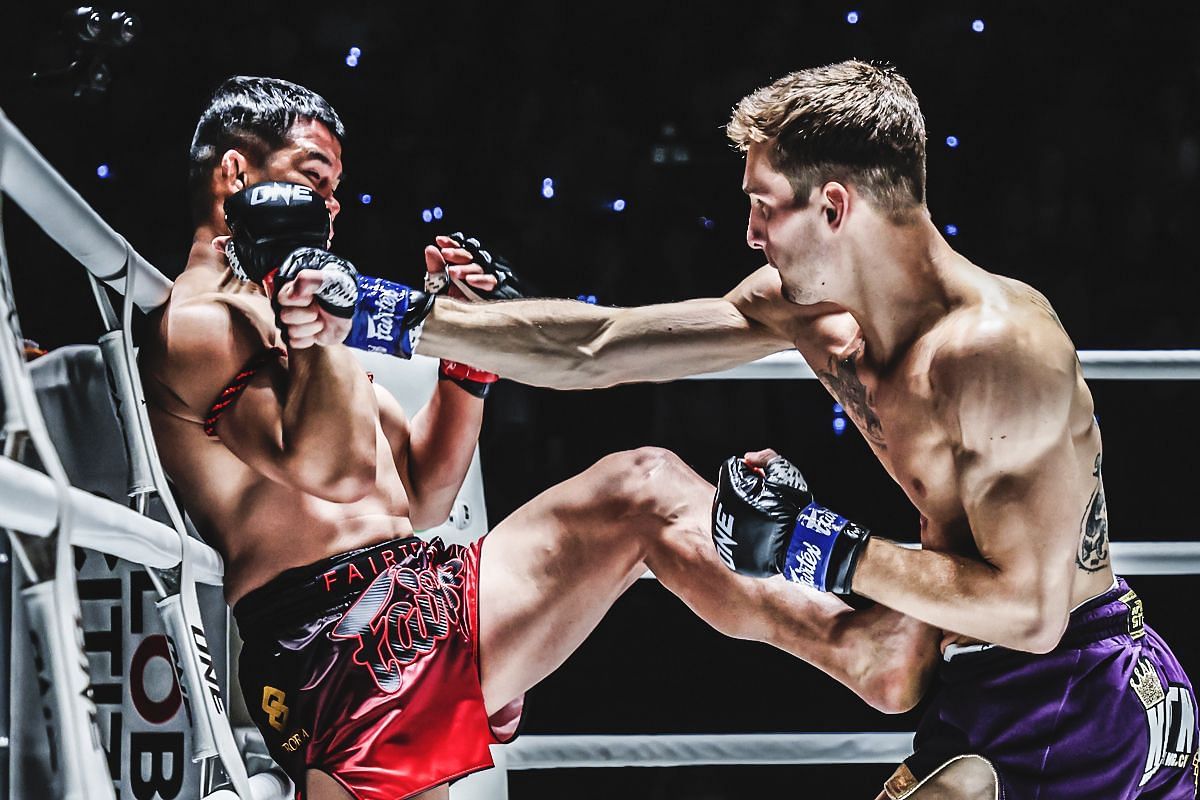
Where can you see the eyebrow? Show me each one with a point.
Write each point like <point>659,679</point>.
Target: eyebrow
<point>317,155</point>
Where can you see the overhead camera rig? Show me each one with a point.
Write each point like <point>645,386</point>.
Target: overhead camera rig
<point>93,35</point>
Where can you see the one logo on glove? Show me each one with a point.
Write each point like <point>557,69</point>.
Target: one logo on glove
<point>723,535</point>
<point>402,616</point>
<point>287,193</point>
<point>807,559</point>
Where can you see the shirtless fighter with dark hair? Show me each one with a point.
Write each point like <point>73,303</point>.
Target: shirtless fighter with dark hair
<point>969,392</point>
<point>377,665</point>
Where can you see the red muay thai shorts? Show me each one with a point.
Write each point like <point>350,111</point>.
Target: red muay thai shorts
<point>365,666</point>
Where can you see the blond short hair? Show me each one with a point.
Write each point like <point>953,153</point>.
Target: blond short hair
<point>852,121</point>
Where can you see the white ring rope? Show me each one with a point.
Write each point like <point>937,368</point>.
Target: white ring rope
<point>1117,365</point>
<point>540,751</point>
<point>49,200</point>
<point>733,749</point>
<point>28,504</point>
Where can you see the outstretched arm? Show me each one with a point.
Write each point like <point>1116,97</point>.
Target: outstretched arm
<point>564,344</point>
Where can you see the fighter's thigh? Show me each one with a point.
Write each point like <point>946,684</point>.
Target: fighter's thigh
<point>323,787</point>
<point>549,572</point>
<point>962,778</point>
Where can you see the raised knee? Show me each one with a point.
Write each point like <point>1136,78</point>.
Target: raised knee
<point>631,475</point>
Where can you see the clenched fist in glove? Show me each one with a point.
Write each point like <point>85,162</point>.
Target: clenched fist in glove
<point>765,523</point>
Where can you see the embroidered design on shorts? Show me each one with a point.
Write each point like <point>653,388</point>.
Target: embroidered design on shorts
<point>274,704</point>
<point>1170,720</point>
<point>1137,619</point>
<point>1145,683</point>
<point>292,742</point>
<point>401,617</point>
<point>901,784</point>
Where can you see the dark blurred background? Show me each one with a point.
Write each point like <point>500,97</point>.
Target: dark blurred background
<point>584,141</point>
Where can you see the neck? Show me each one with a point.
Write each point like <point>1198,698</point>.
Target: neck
<point>202,254</point>
<point>903,285</point>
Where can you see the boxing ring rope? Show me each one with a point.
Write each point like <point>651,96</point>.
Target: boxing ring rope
<point>28,503</point>
<point>1111,365</point>
<point>692,750</point>
<point>31,502</point>
<point>49,200</point>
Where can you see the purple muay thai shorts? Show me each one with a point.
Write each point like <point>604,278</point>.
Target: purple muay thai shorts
<point>1107,715</point>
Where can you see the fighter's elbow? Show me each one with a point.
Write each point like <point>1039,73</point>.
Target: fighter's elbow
<point>423,516</point>
<point>589,372</point>
<point>594,361</point>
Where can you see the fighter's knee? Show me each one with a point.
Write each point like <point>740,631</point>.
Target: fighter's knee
<point>646,461</point>
<point>639,477</point>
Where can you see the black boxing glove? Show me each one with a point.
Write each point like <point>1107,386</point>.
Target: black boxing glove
<point>765,523</point>
<point>507,285</point>
<point>269,220</point>
<point>339,286</point>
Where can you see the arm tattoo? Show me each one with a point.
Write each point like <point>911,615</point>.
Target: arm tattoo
<point>1093,548</point>
<point>842,381</point>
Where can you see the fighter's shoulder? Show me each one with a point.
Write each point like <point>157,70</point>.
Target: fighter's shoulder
<point>1004,349</point>
<point>212,326</point>
<point>202,341</point>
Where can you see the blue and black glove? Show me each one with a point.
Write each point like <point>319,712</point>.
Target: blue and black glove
<point>766,523</point>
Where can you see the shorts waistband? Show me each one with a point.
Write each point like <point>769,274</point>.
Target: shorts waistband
<point>1116,612</point>
<point>330,585</point>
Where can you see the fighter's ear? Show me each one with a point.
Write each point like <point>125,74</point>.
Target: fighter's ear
<point>231,175</point>
<point>835,203</point>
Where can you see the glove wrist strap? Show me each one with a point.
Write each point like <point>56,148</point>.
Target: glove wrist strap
<point>388,317</point>
<point>824,550</point>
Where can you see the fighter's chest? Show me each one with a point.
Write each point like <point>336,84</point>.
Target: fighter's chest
<point>920,456</point>
<point>904,423</point>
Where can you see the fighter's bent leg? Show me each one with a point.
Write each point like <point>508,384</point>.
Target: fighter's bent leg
<point>882,655</point>
<point>963,778</point>
<point>550,571</point>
